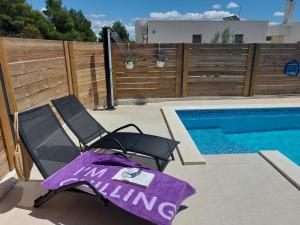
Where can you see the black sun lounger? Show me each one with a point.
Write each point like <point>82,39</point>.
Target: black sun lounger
<point>49,147</point>
<point>92,135</point>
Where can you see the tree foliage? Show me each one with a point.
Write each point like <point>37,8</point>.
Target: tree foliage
<point>69,24</point>
<point>226,37</point>
<point>18,19</point>
<point>120,29</point>
<point>216,38</point>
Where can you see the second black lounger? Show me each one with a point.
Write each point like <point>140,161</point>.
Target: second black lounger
<point>92,135</point>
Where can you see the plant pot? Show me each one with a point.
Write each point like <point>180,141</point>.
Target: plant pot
<point>160,64</point>
<point>129,65</point>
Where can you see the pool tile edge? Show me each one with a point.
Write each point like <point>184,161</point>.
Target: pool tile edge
<point>187,150</point>
<point>284,165</point>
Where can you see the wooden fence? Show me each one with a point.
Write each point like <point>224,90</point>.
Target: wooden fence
<point>4,169</point>
<point>36,71</point>
<point>6,136</point>
<point>206,70</point>
<point>87,59</point>
<point>269,76</point>
<point>146,80</point>
<point>215,70</point>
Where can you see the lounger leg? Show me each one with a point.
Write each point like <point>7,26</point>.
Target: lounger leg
<point>172,157</point>
<point>157,164</point>
<point>41,200</point>
<point>44,198</point>
<point>161,166</point>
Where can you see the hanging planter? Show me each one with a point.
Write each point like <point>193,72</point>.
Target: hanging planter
<point>160,64</point>
<point>130,62</point>
<point>129,65</point>
<point>161,59</point>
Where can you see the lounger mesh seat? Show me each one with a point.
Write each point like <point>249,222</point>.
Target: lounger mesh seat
<point>49,147</point>
<point>88,131</point>
<point>48,144</point>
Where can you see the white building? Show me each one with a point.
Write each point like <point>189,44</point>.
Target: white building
<point>284,33</point>
<point>193,31</point>
<point>289,31</point>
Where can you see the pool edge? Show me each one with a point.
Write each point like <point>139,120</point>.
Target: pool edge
<point>187,150</point>
<point>283,165</point>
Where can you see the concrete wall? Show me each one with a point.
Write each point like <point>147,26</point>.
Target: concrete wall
<point>182,31</point>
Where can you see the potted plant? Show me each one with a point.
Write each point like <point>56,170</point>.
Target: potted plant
<point>161,60</point>
<point>130,61</point>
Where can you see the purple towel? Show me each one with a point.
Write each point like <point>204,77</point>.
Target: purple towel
<point>158,203</point>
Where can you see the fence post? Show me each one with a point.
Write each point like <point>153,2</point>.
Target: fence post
<point>247,82</point>
<point>6,129</point>
<point>6,77</point>
<point>8,105</point>
<point>298,51</point>
<point>68,67</point>
<point>185,72</point>
<point>255,62</point>
<point>73,68</point>
<point>179,62</point>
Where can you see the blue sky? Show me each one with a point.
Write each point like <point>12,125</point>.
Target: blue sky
<point>105,12</point>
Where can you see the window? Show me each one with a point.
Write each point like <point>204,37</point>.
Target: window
<point>238,38</point>
<point>197,38</point>
<point>269,38</point>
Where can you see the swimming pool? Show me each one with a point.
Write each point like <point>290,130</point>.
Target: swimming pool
<point>225,131</point>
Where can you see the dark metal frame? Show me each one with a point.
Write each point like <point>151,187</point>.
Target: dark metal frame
<point>159,165</point>
<point>108,67</point>
<point>51,193</point>
<point>73,187</point>
<point>86,146</point>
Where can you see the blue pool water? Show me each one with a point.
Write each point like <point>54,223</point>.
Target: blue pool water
<point>225,131</point>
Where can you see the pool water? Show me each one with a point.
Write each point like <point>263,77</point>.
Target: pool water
<point>229,131</point>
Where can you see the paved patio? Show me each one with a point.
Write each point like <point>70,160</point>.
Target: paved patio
<point>231,189</point>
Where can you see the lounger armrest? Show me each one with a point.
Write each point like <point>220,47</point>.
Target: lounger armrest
<point>114,140</point>
<point>83,140</point>
<point>129,125</point>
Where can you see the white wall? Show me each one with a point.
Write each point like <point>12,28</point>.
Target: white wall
<point>291,32</point>
<point>295,33</point>
<point>182,31</point>
<point>138,30</point>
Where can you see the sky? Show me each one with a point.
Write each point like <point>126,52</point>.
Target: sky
<point>103,13</point>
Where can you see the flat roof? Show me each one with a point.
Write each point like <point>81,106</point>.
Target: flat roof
<point>207,21</point>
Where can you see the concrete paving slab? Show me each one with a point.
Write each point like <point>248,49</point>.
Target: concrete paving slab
<point>231,189</point>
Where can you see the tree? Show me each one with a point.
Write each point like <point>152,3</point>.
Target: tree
<point>18,19</point>
<point>225,37</point>
<point>216,38</point>
<point>120,29</point>
<point>69,24</point>
<point>82,25</point>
